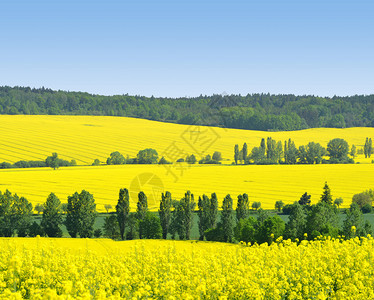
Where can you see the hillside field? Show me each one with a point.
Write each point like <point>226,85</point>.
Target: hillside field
<point>266,184</point>
<point>85,138</point>
<point>48,268</point>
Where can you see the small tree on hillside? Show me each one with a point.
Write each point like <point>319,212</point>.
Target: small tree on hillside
<point>338,202</point>
<point>52,161</point>
<point>279,205</point>
<point>256,205</point>
<point>108,207</point>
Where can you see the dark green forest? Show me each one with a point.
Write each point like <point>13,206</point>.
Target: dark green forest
<point>252,111</point>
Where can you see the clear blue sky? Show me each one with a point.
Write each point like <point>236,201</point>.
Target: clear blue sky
<point>188,48</point>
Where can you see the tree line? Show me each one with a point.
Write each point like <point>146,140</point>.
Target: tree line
<point>52,161</point>
<point>252,111</point>
<point>216,222</point>
<point>271,151</point>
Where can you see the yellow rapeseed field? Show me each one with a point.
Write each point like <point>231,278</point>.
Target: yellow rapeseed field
<point>266,184</point>
<point>85,138</point>
<point>45,268</point>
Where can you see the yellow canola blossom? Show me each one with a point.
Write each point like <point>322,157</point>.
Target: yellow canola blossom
<point>42,268</point>
<point>85,138</point>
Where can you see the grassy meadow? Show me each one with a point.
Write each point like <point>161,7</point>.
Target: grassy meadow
<point>85,138</point>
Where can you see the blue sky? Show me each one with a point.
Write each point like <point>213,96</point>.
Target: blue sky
<point>188,48</point>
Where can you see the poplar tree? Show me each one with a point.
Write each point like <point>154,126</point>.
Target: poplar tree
<point>52,216</point>
<point>213,212</point>
<point>141,210</point>
<point>242,207</point>
<point>227,219</point>
<point>236,153</point>
<point>245,152</point>
<point>81,214</point>
<point>165,213</point>
<point>122,211</point>
<point>203,213</point>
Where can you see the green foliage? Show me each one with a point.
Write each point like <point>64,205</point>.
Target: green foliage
<point>323,218</point>
<point>52,216</point>
<point>337,150</point>
<point>191,159</point>
<point>15,215</point>
<point>245,230</point>
<point>35,229</point>
<point>98,233</point>
<point>256,205</point>
<point>163,161</point>
<point>122,211</point>
<point>217,156</point>
<point>165,213</point>
<point>183,217</point>
<point>353,218</point>
<point>368,147</point>
<point>208,213</point>
<point>296,226</point>
<point>252,111</point>
<point>209,160</point>
<point>147,156</point>
<point>133,228</point>
<point>227,219</point>
<point>52,161</point>
<point>236,153</point>
<point>361,199</point>
<point>39,208</point>
<point>314,153</point>
<point>290,152</point>
<point>116,158</point>
<point>96,162</point>
<point>279,205</point>
<point>270,229</point>
<point>305,199</point>
<point>141,209</point>
<point>242,208</point>
<point>111,228</point>
<point>150,227</point>
<point>81,214</point>
<point>338,201</point>
<point>245,153</point>
<point>326,194</point>
<point>367,208</point>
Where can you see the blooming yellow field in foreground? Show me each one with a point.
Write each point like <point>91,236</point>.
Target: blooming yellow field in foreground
<point>97,269</point>
<point>266,184</point>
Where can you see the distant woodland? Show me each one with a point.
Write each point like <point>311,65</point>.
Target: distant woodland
<point>252,111</point>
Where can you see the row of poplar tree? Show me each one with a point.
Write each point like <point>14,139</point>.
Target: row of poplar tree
<point>175,218</point>
<point>271,151</point>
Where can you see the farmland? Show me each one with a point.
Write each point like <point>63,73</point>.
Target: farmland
<point>86,138</point>
<point>266,184</point>
<point>99,268</point>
